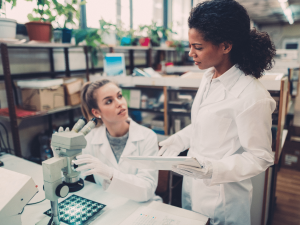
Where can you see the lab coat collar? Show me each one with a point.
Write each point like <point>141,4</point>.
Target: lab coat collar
<point>100,138</point>
<point>135,133</point>
<point>233,80</point>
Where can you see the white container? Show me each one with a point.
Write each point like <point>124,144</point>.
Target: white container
<point>7,28</point>
<point>39,83</point>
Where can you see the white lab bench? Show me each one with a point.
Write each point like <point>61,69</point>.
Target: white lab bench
<point>117,208</point>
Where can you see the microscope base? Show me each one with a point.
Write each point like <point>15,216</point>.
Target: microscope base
<point>73,187</point>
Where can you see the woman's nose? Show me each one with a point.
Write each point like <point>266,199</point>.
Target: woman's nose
<point>118,103</point>
<point>191,53</point>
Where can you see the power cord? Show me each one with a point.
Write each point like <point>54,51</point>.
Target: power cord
<point>32,204</point>
<point>50,221</point>
<point>36,202</point>
<point>7,148</point>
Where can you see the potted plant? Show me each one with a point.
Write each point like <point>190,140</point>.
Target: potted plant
<point>125,37</point>
<point>92,38</point>
<point>154,33</point>
<point>7,26</point>
<point>70,14</point>
<point>39,28</point>
<point>108,32</point>
<point>178,46</point>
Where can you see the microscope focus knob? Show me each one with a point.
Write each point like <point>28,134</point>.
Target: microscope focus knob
<point>62,190</point>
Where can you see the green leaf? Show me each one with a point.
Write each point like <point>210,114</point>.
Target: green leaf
<point>30,17</point>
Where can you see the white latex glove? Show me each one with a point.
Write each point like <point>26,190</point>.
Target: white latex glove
<point>200,173</point>
<point>171,147</point>
<point>60,129</point>
<point>94,166</point>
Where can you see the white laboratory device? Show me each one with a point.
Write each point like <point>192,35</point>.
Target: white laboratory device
<point>16,190</point>
<point>68,145</point>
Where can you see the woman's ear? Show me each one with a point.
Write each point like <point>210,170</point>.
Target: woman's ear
<point>226,47</point>
<point>96,113</point>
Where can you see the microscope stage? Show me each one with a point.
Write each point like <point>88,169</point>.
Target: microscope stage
<point>76,210</point>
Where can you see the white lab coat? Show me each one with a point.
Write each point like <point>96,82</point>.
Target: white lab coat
<point>232,129</point>
<point>128,181</point>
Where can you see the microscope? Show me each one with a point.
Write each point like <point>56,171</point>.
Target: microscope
<point>67,145</point>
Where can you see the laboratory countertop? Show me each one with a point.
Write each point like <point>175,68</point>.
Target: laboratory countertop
<point>117,208</point>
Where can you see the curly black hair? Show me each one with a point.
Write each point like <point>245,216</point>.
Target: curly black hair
<point>227,21</point>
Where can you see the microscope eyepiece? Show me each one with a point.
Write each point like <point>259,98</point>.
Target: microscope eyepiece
<point>89,126</point>
<point>80,123</point>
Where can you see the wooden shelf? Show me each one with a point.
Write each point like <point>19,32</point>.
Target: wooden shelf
<point>146,110</point>
<point>44,113</point>
<point>43,45</point>
<point>179,113</point>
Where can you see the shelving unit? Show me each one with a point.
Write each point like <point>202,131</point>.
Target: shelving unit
<point>11,89</point>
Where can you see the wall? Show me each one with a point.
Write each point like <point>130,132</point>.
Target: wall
<point>279,32</point>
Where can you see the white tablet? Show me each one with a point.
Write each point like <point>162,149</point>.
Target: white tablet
<point>159,162</point>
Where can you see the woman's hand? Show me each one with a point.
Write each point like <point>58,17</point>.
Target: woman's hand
<point>171,147</point>
<point>199,173</point>
<point>93,166</point>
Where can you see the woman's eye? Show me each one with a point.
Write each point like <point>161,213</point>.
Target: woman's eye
<point>108,102</point>
<point>198,48</point>
<point>120,96</point>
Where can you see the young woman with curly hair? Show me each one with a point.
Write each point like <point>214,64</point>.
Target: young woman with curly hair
<point>230,133</point>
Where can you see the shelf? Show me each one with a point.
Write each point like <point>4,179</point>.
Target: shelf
<point>43,45</point>
<point>146,110</point>
<point>128,47</point>
<point>44,113</point>
<point>179,113</point>
<point>192,90</point>
<point>169,49</point>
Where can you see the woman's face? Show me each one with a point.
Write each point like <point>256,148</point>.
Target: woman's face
<point>112,106</point>
<point>204,53</point>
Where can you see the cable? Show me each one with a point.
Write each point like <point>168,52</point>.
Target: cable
<point>50,221</point>
<point>22,210</point>
<point>8,148</point>
<point>32,204</point>
<point>5,149</point>
<point>36,202</point>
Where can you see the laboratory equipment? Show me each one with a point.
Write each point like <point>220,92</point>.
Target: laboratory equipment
<point>78,210</point>
<point>67,145</point>
<point>16,190</point>
<point>79,124</point>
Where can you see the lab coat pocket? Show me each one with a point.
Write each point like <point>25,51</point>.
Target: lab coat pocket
<point>211,129</point>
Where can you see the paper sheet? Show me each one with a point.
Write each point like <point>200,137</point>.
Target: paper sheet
<point>148,216</point>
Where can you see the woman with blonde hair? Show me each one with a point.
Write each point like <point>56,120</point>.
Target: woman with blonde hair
<point>116,136</point>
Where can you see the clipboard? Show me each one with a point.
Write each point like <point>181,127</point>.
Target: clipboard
<point>161,163</point>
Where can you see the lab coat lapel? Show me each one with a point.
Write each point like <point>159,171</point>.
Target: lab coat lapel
<point>198,98</point>
<point>216,96</point>
<point>100,139</point>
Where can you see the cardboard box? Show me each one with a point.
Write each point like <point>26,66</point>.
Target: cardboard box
<point>72,90</point>
<point>38,99</point>
<point>290,157</point>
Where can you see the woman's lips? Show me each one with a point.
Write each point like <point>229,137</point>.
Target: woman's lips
<point>197,63</point>
<point>121,111</point>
